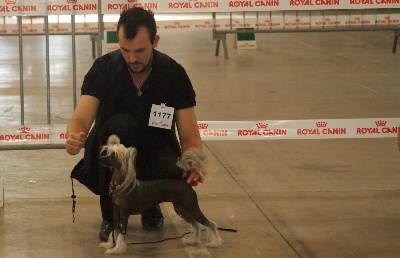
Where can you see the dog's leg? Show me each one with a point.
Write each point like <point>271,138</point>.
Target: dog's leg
<point>110,243</point>
<point>194,236</point>
<point>120,245</point>
<point>188,208</point>
<point>212,235</point>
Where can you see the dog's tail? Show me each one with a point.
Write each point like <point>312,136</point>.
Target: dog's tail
<point>194,158</point>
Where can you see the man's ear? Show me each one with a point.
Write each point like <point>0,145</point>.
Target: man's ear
<point>156,39</point>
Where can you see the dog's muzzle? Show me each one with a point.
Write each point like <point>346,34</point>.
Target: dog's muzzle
<point>108,160</point>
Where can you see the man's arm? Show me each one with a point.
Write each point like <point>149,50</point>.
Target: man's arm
<point>80,123</point>
<point>189,135</point>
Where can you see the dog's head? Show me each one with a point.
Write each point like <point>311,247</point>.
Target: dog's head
<point>116,155</point>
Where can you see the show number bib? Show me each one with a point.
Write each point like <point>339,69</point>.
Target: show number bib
<point>161,116</point>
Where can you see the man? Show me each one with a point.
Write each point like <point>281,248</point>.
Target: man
<point>141,95</point>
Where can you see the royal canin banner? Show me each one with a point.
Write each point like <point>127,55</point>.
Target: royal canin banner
<point>291,20</point>
<point>234,130</point>
<point>69,7</point>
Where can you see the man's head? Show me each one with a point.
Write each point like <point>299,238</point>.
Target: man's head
<point>134,18</point>
<point>137,36</point>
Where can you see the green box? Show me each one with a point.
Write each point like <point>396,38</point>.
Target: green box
<point>112,37</point>
<point>246,36</point>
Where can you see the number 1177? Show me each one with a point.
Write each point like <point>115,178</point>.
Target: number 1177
<point>161,114</point>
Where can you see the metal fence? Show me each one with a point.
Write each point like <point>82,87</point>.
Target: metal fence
<point>290,22</point>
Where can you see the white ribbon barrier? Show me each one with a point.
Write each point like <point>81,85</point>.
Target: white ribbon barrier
<point>290,20</point>
<point>234,130</point>
<point>69,7</point>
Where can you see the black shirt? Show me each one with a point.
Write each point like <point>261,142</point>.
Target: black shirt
<point>110,81</point>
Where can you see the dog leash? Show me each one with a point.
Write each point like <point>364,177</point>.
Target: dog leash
<point>177,237</point>
<point>73,196</point>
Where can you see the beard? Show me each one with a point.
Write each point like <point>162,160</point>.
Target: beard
<point>138,67</point>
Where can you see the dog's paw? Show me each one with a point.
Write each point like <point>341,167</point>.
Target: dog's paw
<point>216,243</point>
<point>120,246</point>
<point>191,240</point>
<point>117,250</point>
<point>106,245</point>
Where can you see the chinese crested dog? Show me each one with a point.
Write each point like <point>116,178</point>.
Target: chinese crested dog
<point>131,196</point>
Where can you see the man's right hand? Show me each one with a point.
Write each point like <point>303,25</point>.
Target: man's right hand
<point>75,143</point>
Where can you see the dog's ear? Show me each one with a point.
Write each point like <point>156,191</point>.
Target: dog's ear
<point>131,154</point>
<point>113,139</point>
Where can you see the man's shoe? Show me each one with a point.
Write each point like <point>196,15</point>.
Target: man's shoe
<point>105,230</point>
<point>153,219</point>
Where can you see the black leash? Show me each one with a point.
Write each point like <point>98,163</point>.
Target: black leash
<point>177,237</point>
<point>73,196</point>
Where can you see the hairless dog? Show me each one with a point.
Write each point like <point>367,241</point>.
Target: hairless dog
<point>131,196</point>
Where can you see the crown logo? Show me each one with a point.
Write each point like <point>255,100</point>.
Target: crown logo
<point>380,123</point>
<point>72,1</point>
<point>321,124</point>
<point>11,1</point>
<point>132,1</point>
<point>24,129</point>
<point>262,125</point>
<point>203,126</point>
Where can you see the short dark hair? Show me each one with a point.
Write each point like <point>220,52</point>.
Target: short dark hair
<point>134,18</point>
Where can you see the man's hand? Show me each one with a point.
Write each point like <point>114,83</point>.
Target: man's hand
<point>193,177</point>
<point>75,143</point>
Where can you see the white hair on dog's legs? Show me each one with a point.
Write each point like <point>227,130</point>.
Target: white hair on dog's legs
<point>194,236</point>
<point>109,244</point>
<point>120,246</point>
<point>213,236</point>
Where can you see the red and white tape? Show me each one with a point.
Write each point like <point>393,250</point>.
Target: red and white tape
<point>234,130</point>
<point>70,7</point>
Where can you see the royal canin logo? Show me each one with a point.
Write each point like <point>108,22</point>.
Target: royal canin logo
<point>11,1</point>
<point>380,127</point>
<point>211,133</point>
<point>262,130</point>
<point>24,129</point>
<point>262,125</point>
<point>381,123</point>
<point>322,128</point>
<point>321,124</point>
<point>24,133</point>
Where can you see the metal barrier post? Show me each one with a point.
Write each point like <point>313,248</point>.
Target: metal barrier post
<point>46,25</point>
<point>101,31</point>
<point>396,37</point>
<point>21,70</point>
<point>73,60</point>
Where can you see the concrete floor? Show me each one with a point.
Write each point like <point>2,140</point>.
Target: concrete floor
<point>286,198</point>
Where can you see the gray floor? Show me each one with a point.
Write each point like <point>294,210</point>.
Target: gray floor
<point>286,198</point>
